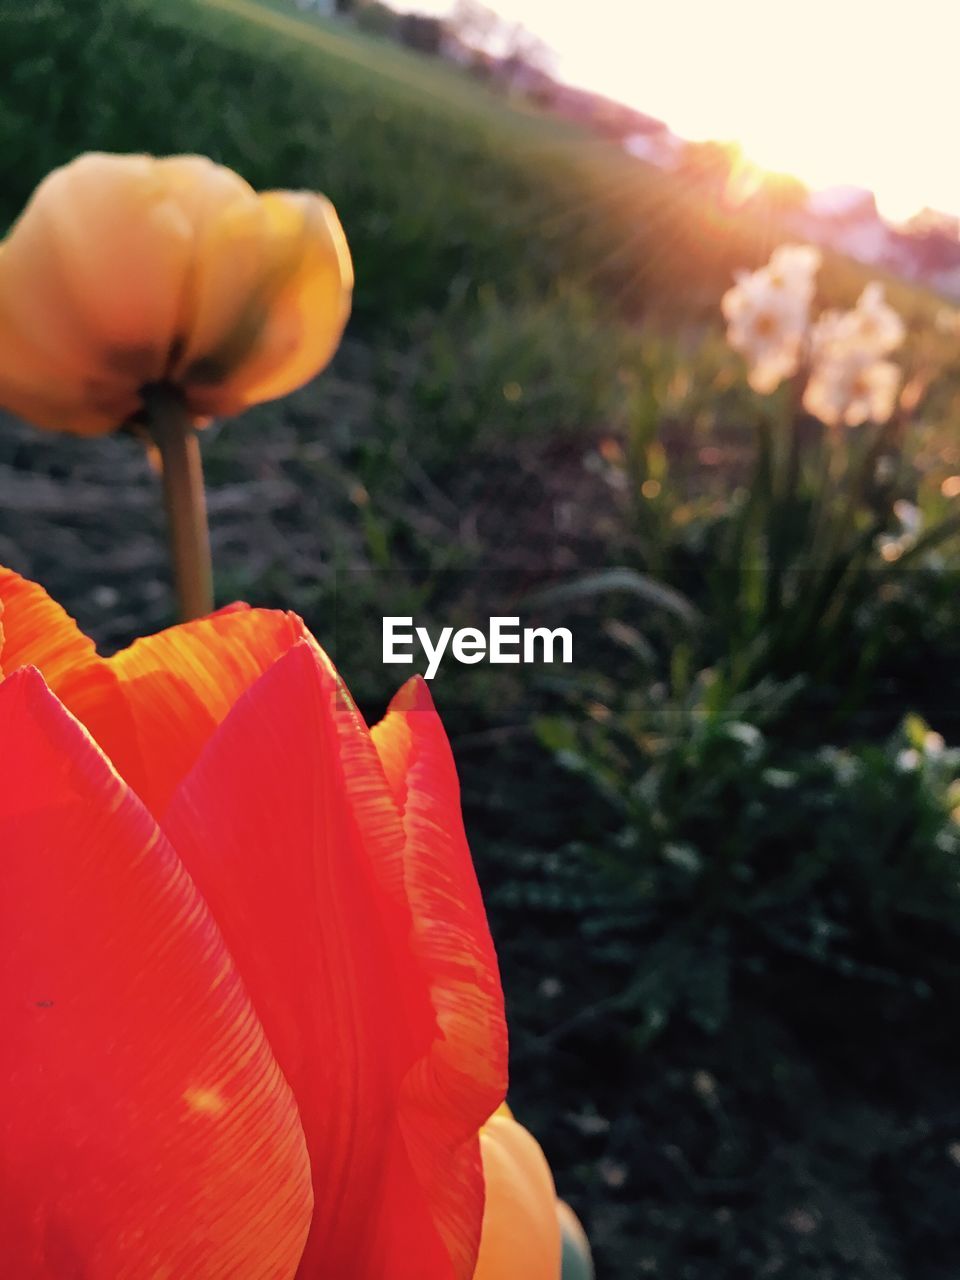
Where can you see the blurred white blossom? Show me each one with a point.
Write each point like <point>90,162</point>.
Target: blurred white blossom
<point>794,267</point>
<point>768,314</point>
<point>768,321</point>
<point>850,388</point>
<point>850,382</point>
<point>829,335</point>
<point>871,329</point>
<point>878,325</point>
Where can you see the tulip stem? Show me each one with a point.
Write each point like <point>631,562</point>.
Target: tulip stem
<point>175,436</point>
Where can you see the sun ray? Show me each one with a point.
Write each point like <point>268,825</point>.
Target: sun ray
<point>837,94</point>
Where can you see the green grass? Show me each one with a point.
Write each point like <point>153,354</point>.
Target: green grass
<point>398,71</point>
<point>434,177</point>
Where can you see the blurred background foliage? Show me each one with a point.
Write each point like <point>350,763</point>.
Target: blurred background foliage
<point>720,851</point>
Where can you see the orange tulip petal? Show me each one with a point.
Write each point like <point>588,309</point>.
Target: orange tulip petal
<point>451,1081</point>
<point>435,966</point>
<point>177,686</point>
<point>521,1231</point>
<point>38,632</point>
<point>147,1130</point>
<point>151,707</point>
<point>339,973</point>
<point>264,827</point>
<point>467,1061</point>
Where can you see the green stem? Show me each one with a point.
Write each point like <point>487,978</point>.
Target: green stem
<point>795,414</point>
<point>175,436</point>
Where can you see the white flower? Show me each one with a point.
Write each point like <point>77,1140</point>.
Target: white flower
<point>829,336</point>
<point>852,388</point>
<point>877,326</point>
<point>767,313</point>
<point>850,382</point>
<point>794,267</point>
<point>871,329</point>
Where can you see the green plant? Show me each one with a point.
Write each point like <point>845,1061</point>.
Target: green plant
<point>731,852</point>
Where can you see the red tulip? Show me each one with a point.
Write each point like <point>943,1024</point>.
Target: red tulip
<point>252,1021</point>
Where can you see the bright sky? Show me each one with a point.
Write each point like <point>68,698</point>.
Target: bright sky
<point>835,91</point>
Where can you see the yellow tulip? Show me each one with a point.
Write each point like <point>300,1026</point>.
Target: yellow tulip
<point>129,273</point>
<point>521,1230</point>
<point>577,1259</point>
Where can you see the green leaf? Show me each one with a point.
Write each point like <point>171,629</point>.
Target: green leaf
<point>620,579</point>
<point>555,734</point>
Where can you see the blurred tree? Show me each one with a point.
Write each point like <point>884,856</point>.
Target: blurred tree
<point>379,19</point>
<point>376,18</point>
<point>491,45</point>
<point>473,24</point>
<point>527,59</point>
<point>421,32</point>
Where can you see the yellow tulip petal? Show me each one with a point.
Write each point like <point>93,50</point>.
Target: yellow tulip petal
<point>97,265</point>
<point>39,386</point>
<point>201,188</point>
<point>35,389</point>
<point>226,303</point>
<point>577,1258</point>
<point>521,1231</point>
<point>36,305</point>
<point>306,287</point>
<point>227,266</point>
<point>127,270</point>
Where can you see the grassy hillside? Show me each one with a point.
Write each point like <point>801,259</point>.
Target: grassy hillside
<point>426,170</point>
